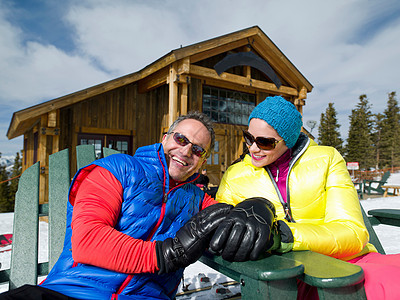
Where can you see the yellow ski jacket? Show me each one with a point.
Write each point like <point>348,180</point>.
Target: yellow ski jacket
<point>322,210</point>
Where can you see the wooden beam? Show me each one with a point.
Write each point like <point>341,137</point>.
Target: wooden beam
<point>203,72</point>
<point>155,80</point>
<point>95,130</point>
<point>49,131</point>
<point>42,157</point>
<point>52,118</point>
<point>247,69</point>
<point>184,99</point>
<point>278,65</point>
<point>218,50</point>
<point>278,61</point>
<point>173,95</point>
<point>303,93</point>
<point>183,66</point>
<point>56,138</point>
<point>241,35</point>
<point>56,144</point>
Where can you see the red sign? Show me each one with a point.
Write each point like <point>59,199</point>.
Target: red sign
<point>353,165</point>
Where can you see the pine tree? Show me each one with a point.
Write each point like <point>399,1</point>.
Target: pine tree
<point>328,130</point>
<point>359,142</point>
<point>16,172</point>
<point>4,190</point>
<point>376,137</point>
<point>390,135</point>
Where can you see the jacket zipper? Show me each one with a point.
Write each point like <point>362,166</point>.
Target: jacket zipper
<point>165,197</point>
<point>153,231</point>
<point>286,205</point>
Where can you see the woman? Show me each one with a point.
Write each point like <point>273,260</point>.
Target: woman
<point>315,200</point>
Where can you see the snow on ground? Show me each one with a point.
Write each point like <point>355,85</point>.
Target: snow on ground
<point>388,235</point>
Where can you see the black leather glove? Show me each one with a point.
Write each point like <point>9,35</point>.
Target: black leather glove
<point>191,240</point>
<point>246,231</point>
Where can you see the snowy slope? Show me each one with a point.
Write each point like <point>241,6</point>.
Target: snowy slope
<point>388,235</point>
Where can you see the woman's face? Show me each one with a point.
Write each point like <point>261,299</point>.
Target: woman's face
<point>261,158</point>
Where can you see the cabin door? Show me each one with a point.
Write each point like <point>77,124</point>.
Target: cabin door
<point>228,147</point>
<point>216,162</point>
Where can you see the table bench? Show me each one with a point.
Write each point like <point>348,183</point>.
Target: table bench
<point>395,188</point>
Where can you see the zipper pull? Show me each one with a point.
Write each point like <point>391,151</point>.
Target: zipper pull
<point>287,214</point>
<point>277,174</point>
<point>165,198</point>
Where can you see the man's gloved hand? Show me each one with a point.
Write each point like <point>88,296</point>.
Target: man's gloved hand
<point>191,240</point>
<point>246,231</point>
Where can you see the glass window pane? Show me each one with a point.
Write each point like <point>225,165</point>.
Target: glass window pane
<point>222,94</point>
<point>214,93</point>
<point>214,116</point>
<point>237,105</point>
<point>216,146</point>
<point>244,120</point>
<point>216,159</point>
<point>206,104</point>
<point>214,105</point>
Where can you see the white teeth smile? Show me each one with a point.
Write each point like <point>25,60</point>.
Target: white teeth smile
<point>179,161</point>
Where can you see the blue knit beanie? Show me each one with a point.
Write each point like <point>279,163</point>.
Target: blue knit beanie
<point>282,116</point>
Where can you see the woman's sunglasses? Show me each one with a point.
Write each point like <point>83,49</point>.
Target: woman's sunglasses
<point>262,142</point>
<point>182,140</point>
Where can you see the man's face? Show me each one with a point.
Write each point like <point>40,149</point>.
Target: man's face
<point>182,163</point>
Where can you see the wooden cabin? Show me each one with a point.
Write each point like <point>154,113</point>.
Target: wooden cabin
<point>224,77</point>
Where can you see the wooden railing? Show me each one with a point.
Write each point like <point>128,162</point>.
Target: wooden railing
<point>371,175</point>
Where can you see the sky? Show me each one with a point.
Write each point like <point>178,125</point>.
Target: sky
<point>51,48</point>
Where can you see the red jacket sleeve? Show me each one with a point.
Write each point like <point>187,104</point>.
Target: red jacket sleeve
<point>95,241</point>
<point>207,201</point>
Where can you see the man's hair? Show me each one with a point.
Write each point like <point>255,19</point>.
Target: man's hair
<point>204,119</point>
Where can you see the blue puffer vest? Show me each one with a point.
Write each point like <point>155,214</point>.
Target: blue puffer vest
<point>145,181</point>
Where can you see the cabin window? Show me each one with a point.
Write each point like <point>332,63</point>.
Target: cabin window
<point>92,139</point>
<point>121,143</point>
<point>227,106</point>
<point>213,159</point>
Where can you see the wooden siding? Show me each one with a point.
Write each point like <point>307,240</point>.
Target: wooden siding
<point>123,111</point>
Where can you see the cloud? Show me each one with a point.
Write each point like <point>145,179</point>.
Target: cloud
<point>33,72</point>
<point>344,48</point>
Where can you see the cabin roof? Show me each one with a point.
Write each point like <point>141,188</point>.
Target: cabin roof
<point>24,119</point>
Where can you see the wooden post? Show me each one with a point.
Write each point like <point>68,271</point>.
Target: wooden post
<point>42,157</point>
<point>184,99</point>
<point>173,95</point>
<point>299,101</point>
<point>52,121</point>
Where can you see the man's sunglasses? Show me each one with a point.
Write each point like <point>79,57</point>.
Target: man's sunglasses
<point>182,140</point>
<point>262,142</point>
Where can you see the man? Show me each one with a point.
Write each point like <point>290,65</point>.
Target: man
<point>134,222</point>
<point>123,219</point>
